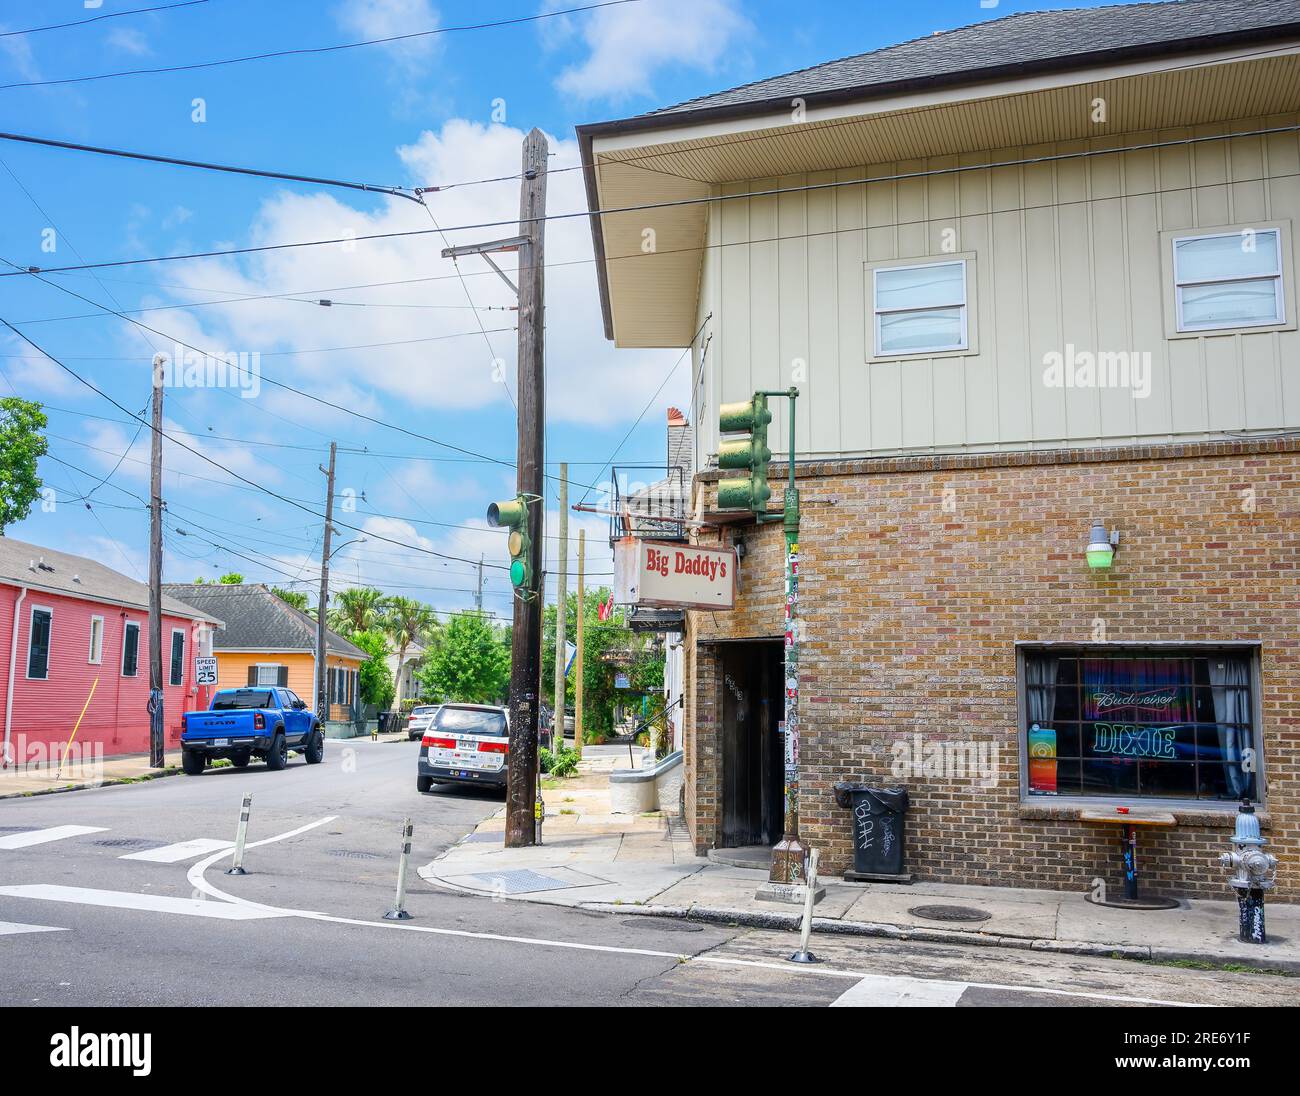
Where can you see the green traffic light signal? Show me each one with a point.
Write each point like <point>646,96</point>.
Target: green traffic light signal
<point>751,453</point>
<point>512,514</point>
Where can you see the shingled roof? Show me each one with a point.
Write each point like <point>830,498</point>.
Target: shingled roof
<point>1016,44</point>
<point>23,564</point>
<point>257,619</point>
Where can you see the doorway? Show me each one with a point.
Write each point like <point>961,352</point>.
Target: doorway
<point>753,705</point>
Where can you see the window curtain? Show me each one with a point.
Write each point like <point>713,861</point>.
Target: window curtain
<point>1230,686</point>
<point>1040,676</point>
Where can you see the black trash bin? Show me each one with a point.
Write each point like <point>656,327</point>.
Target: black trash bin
<point>878,818</point>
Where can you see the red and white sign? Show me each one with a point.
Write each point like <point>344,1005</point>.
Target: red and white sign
<point>671,575</point>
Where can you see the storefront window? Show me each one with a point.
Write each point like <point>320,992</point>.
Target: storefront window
<point>1157,724</point>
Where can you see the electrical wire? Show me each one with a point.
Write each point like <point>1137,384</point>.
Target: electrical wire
<point>97,18</point>
<point>314,50</point>
<point>770,192</point>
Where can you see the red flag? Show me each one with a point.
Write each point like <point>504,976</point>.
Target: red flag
<point>606,609</point>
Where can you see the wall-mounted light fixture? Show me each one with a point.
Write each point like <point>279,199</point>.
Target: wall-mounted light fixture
<point>1101,549</point>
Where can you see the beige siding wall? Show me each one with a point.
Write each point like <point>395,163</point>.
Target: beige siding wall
<point>1065,252</point>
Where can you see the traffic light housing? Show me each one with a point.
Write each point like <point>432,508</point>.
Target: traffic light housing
<point>750,418</point>
<point>512,514</point>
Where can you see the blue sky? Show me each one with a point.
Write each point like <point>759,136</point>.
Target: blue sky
<point>425,112</point>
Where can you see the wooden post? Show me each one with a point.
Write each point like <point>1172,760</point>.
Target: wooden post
<point>577,663</point>
<point>155,706</point>
<point>525,638</point>
<point>561,611</point>
<point>322,690</point>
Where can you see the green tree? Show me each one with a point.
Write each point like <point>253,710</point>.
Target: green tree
<point>406,621</point>
<point>21,446</point>
<point>296,598</point>
<point>470,663</point>
<point>375,680</point>
<point>601,638</point>
<point>232,578</point>
<point>357,609</point>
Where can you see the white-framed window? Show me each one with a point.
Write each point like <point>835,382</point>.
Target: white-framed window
<point>267,674</point>
<point>130,649</point>
<point>96,654</point>
<point>38,643</point>
<point>920,308</point>
<point>1228,280</point>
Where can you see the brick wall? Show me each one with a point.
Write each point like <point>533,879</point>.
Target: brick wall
<point>919,575</point>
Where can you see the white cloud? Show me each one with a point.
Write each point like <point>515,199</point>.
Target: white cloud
<point>129,41</point>
<point>588,382</point>
<point>371,19</point>
<point>628,44</point>
<point>30,374</point>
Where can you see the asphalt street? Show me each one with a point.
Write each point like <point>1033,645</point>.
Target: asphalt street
<point>118,896</point>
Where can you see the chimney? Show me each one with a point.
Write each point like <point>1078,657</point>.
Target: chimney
<point>675,417</point>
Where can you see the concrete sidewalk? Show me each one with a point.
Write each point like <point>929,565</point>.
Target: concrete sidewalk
<point>84,773</point>
<point>645,864</point>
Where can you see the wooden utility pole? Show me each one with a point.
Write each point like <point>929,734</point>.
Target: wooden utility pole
<point>526,647</point>
<point>322,690</point>
<point>577,665</point>
<point>561,611</point>
<point>155,706</point>
<point>478,596</point>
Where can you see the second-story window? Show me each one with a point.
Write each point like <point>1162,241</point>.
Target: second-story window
<point>1229,280</point>
<point>920,308</point>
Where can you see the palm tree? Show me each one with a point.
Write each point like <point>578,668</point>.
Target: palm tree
<point>406,621</point>
<point>356,610</point>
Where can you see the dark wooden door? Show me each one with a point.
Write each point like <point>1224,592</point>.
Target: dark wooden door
<point>752,708</point>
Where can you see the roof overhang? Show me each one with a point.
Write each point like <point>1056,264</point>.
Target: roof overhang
<point>635,166</point>
<point>183,612</point>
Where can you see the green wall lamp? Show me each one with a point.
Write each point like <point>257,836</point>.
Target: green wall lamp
<point>1101,548</point>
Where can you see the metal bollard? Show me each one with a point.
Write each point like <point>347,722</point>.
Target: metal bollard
<point>399,912</point>
<point>237,868</point>
<point>803,955</point>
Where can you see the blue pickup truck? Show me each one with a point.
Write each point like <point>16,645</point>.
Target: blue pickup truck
<point>260,721</point>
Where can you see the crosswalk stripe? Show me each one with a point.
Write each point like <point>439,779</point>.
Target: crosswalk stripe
<point>886,991</point>
<point>39,837</point>
<point>182,850</point>
<point>127,900</point>
<point>13,928</point>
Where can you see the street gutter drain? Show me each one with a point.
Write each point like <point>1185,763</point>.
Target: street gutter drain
<point>355,854</point>
<point>949,913</point>
<point>125,843</point>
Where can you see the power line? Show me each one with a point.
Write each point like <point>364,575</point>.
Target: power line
<point>97,18</point>
<point>314,50</point>
<point>771,192</point>
<point>230,472</point>
<point>230,169</point>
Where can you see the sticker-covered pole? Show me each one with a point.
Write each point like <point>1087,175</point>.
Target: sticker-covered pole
<point>790,857</point>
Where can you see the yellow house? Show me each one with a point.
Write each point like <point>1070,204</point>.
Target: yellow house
<point>266,641</point>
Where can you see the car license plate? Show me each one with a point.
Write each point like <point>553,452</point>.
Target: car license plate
<point>221,742</point>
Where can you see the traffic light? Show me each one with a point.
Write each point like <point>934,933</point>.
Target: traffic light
<point>512,514</point>
<point>748,492</point>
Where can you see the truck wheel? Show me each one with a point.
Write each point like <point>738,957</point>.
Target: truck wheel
<point>314,751</point>
<point>277,757</point>
<point>423,783</point>
<point>241,759</point>
<point>192,762</point>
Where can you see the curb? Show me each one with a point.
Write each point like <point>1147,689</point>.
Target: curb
<point>835,927</point>
<point>91,784</point>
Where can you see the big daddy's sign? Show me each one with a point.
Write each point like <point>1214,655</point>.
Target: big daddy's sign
<point>663,573</point>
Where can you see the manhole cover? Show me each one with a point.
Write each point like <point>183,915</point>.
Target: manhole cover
<point>355,854</point>
<point>663,924</point>
<point>125,842</point>
<point>949,913</point>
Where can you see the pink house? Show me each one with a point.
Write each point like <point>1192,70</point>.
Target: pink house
<point>70,625</point>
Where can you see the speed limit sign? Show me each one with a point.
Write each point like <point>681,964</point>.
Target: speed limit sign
<point>205,670</point>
